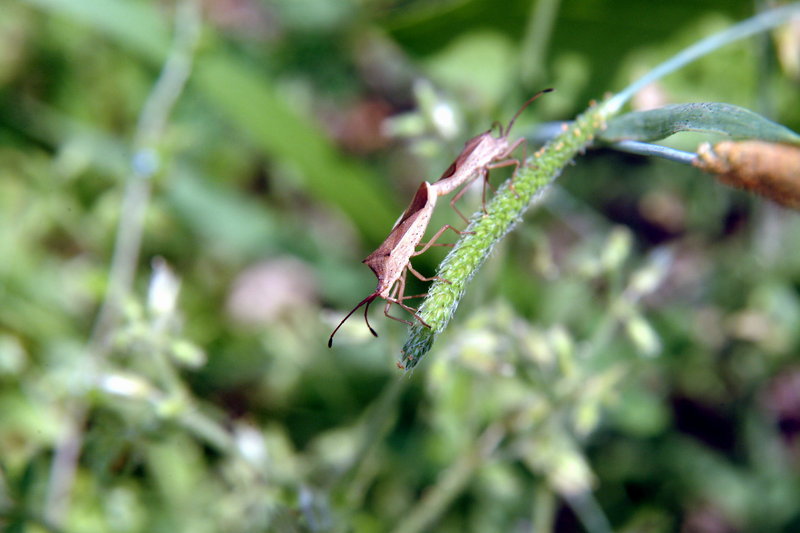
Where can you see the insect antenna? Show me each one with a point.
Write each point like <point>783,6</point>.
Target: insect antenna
<point>521,109</point>
<point>368,300</point>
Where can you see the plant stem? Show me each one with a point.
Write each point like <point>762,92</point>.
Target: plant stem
<point>538,33</point>
<point>655,150</point>
<point>759,23</point>
<point>145,165</point>
<point>452,482</point>
<point>148,135</point>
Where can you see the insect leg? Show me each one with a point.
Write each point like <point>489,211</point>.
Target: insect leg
<point>396,297</point>
<point>513,161</point>
<point>507,163</point>
<point>456,198</point>
<point>423,295</point>
<point>404,321</point>
<point>485,172</point>
<point>423,278</point>
<point>410,310</point>
<point>436,236</point>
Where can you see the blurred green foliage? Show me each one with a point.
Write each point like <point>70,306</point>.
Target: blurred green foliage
<point>626,361</point>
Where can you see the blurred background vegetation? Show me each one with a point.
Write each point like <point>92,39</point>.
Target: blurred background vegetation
<point>626,360</point>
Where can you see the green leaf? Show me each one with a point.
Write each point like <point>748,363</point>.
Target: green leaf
<point>711,117</point>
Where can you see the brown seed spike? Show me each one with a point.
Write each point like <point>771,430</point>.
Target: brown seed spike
<point>767,169</point>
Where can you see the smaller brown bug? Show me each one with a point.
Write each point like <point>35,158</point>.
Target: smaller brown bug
<point>481,154</point>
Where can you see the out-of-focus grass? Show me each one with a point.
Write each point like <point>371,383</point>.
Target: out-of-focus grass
<point>570,387</point>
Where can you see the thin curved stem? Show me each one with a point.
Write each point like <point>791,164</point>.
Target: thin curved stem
<point>145,165</point>
<point>657,150</point>
<point>747,28</point>
<point>148,135</point>
<point>452,482</point>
